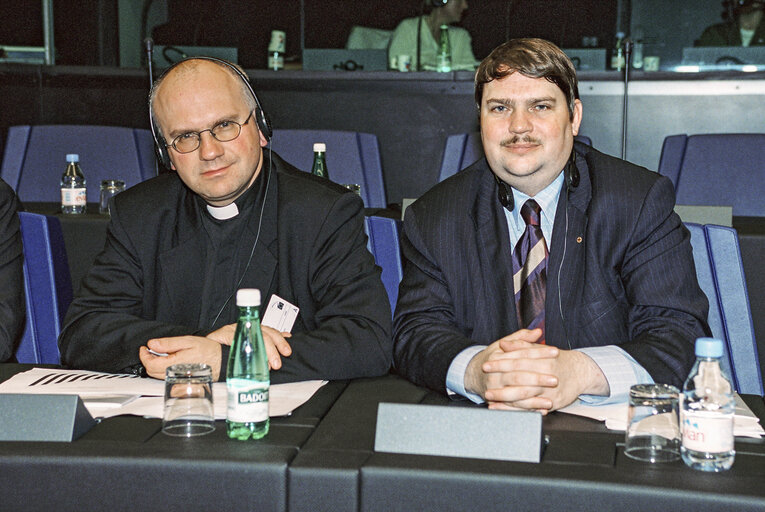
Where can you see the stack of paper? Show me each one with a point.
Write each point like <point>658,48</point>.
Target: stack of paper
<point>108,394</point>
<point>746,424</point>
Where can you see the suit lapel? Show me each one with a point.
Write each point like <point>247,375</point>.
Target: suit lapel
<point>495,256</point>
<point>262,270</point>
<point>185,258</point>
<point>565,271</point>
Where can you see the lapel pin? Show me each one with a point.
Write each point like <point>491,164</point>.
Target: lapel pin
<point>579,239</point>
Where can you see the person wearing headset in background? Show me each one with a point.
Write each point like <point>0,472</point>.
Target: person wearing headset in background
<point>443,12</point>
<point>12,306</point>
<point>614,302</point>
<point>231,216</point>
<point>744,26</point>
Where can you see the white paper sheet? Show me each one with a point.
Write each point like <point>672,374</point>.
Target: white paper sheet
<point>106,394</point>
<point>746,424</point>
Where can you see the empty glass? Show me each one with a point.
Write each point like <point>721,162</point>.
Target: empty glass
<point>188,400</point>
<point>653,430</point>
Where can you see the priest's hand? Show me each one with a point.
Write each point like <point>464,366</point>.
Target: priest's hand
<point>276,346</point>
<point>180,349</point>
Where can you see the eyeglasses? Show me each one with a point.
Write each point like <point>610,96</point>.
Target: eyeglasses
<point>224,131</point>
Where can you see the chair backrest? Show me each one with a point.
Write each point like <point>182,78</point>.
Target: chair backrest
<point>719,270</point>
<point>352,157</point>
<point>463,149</point>
<point>368,38</point>
<point>48,287</point>
<point>35,158</point>
<point>384,245</point>
<point>725,169</point>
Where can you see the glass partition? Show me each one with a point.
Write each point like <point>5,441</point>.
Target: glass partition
<point>677,35</point>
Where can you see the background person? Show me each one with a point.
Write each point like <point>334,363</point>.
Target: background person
<point>442,12</point>
<point>12,306</point>
<point>743,28</point>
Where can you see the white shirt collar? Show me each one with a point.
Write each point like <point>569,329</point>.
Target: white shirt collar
<point>223,212</point>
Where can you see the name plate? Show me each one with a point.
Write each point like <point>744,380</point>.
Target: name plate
<point>27,417</point>
<point>459,432</point>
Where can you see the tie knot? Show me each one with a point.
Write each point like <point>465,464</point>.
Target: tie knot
<point>530,212</point>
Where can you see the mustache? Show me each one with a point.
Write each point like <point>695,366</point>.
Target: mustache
<point>517,139</point>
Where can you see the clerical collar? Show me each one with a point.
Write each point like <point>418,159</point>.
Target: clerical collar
<point>249,197</point>
<point>223,212</point>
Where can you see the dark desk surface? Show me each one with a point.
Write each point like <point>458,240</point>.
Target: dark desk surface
<point>322,458</point>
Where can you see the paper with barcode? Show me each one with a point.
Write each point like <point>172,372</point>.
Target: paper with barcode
<point>110,394</point>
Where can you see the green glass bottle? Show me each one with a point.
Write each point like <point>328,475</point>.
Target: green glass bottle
<point>247,377</point>
<point>320,160</point>
<point>444,57</point>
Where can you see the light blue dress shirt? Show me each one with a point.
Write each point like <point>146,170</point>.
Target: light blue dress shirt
<point>620,368</point>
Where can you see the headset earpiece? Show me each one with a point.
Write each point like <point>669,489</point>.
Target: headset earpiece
<point>571,172</point>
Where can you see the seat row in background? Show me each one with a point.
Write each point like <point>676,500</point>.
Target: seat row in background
<point>34,158</point>
<point>706,169</point>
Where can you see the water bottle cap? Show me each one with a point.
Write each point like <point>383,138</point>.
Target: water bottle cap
<point>320,147</point>
<point>709,347</point>
<point>248,297</point>
<point>72,157</point>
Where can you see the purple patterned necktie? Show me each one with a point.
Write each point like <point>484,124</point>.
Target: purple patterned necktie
<point>530,271</point>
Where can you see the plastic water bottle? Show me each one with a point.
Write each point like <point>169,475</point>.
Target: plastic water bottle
<point>74,197</point>
<point>444,58</point>
<point>320,160</point>
<point>617,55</point>
<point>247,377</point>
<point>706,414</point>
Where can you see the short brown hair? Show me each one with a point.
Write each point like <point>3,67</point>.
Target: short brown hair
<point>531,57</point>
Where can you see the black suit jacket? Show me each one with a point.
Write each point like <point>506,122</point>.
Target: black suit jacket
<point>312,252</point>
<point>12,307</point>
<point>620,272</point>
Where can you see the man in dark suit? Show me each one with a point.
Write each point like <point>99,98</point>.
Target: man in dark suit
<point>12,307</point>
<point>621,303</point>
<point>233,216</point>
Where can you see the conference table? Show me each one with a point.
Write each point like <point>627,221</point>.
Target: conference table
<point>322,457</point>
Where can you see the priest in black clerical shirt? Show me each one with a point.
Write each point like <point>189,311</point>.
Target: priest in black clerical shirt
<point>233,215</point>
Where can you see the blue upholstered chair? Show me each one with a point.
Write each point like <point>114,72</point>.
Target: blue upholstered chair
<point>725,169</point>
<point>352,157</point>
<point>383,244</point>
<point>463,149</point>
<point>35,158</point>
<point>47,285</point>
<point>719,270</point>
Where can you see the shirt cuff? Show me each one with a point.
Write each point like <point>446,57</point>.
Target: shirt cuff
<point>621,371</point>
<point>455,377</point>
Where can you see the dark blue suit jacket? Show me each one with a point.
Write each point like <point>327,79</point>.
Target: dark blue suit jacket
<point>620,272</point>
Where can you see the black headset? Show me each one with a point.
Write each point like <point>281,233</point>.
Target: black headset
<point>261,119</point>
<point>505,191</point>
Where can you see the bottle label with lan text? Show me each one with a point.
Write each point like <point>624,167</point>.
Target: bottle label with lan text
<point>73,196</point>
<point>711,433</point>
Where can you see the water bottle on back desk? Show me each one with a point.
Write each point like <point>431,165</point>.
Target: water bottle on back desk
<point>73,187</point>
<point>320,160</point>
